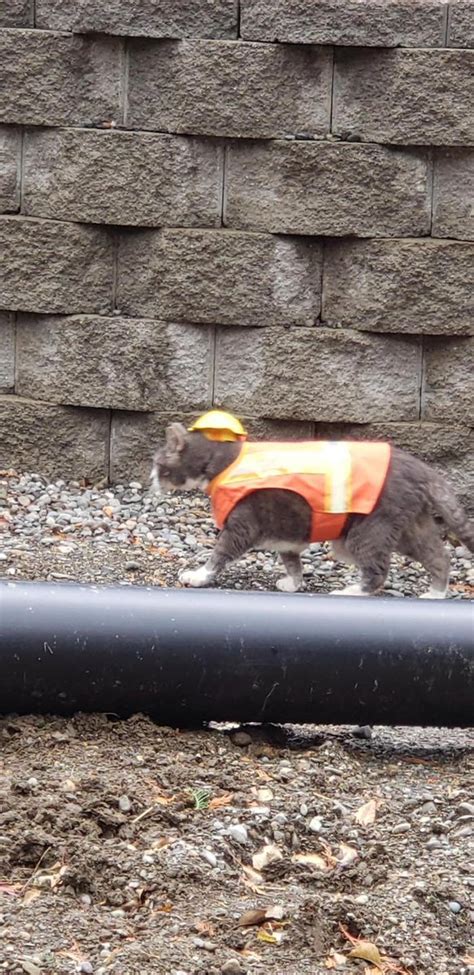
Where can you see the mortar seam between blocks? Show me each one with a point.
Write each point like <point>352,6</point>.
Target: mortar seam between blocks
<point>447,24</point>
<point>124,79</point>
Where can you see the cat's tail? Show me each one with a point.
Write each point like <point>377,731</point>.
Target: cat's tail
<point>451,511</point>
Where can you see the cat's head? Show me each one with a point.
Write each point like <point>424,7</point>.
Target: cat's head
<point>180,463</point>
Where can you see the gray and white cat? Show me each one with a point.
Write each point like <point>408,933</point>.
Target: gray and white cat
<point>403,520</point>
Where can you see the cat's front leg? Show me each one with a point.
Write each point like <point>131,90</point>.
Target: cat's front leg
<point>233,541</point>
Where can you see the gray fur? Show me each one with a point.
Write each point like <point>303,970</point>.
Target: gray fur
<point>403,520</point>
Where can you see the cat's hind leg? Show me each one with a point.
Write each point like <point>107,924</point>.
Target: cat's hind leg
<point>293,579</point>
<point>423,544</point>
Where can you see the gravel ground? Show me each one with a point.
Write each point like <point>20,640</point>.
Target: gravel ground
<point>98,534</point>
<point>129,849</point>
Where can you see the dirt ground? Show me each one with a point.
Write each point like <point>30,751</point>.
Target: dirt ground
<point>132,849</point>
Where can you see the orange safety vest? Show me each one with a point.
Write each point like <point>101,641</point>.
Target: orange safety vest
<point>335,478</point>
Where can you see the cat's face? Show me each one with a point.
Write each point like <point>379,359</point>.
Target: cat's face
<point>178,465</point>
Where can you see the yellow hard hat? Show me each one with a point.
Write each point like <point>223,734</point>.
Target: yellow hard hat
<point>219,425</point>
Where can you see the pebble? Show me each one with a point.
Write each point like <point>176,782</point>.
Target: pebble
<point>401,828</point>
<point>210,857</point>
<point>124,804</point>
<point>433,843</point>
<point>86,968</point>
<point>239,833</point>
<point>232,967</point>
<point>316,824</point>
<point>454,907</point>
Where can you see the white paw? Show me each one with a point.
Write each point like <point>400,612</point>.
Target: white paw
<point>287,584</point>
<point>197,578</point>
<point>353,590</point>
<point>433,594</point>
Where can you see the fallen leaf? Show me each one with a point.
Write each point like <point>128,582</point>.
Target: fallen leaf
<point>205,928</point>
<point>468,960</point>
<point>270,938</point>
<point>370,970</point>
<point>366,814</point>
<point>335,960</point>
<point>250,918</point>
<point>30,895</point>
<point>11,890</point>
<point>315,859</point>
<point>107,510</point>
<point>265,856</point>
<point>367,951</point>
<point>347,855</point>
<point>218,801</point>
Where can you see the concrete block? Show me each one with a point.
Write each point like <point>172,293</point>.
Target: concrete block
<point>7,353</point>
<point>16,13</point>
<point>461,23</point>
<point>327,188</point>
<point>310,374</point>
<point>128,364</point>
<point>219,277</point>
<point>49,266</point>
<point>357,23</point>
<point>167,18</point>
<point>131,178</point>
<point>410,286</point>
<point>448,380</point>
<point>410,97</point>
<point>55,441</point>
<point>10,147</point>
<point>55,79</point>
<point>226,88</point>
<point>453,193</point>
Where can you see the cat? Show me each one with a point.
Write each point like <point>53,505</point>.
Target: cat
<point>402,520</point>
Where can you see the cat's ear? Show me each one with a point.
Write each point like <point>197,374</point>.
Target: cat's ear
<point>175,437</point>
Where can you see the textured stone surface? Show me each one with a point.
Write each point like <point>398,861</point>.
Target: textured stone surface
<point>453,193</point>
<point>312,374</point>
<point>227,88</point>
<point>10,142</point>
<point>461,23</point>
<point>53,440</point>
<point>16,13</point>
<point>448,383</point>
<point>122,178</point>
<point>114,362</point>
<point>150,18</point>
<point>7,353</point>
<point>449,447</point>
<point>219,277</point>
<point>324,188</point>
<point>134,438</point>
<point>400,286</point>
<point>417,97</point>
<point>49,266</point>
<point>366,23</point>
<point>53,79</point>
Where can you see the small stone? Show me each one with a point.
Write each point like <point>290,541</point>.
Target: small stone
<point>433,843</point>
<point>316,824</point>
<point>454,907</point>
<point>466,808</point>
<point>304,809</point>
<point>241,738</point>
<point>210,857</point>
<point>124,804</point>
<point>362,899</point>
<point>32,782</point>
<point>401,828</point>
<point>363,731</point>
<point>232,967</point>
<point>205,945</point>
<point>132,566</point>
<point>86,968</point>
<point>239,833</point>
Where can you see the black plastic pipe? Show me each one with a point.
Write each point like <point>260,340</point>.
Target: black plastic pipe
<point>185,657</point>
